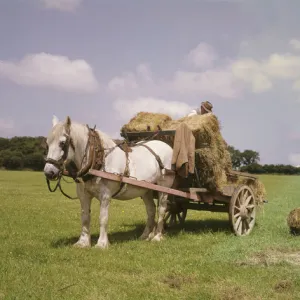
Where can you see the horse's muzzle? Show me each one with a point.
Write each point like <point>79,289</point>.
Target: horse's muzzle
<point>51,172</point>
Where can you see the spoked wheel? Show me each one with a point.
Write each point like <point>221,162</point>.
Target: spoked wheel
<point>176,214</point>
<point>242,211</point>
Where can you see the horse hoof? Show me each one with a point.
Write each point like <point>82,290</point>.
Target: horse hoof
<point>102,245</point>
<point>150,236</point>
<point>81,245</point>
<point>157,238</point>
<point>144,237</point>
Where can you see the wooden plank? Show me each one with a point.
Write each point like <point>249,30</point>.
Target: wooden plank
<point>228,190</point>
<point>145,184</point>
<point>132,134</point>
<point>244,174</point>
<point>198,190</point>
<point>206,207</point>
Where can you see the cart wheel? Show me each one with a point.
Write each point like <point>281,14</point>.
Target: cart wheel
<point>175,214</point>
<point>242,210</point>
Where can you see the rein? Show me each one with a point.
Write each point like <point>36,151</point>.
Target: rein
<point>58,185</point>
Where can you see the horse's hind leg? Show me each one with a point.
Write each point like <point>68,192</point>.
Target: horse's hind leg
<point>163,202</point>
<point>150,209</point>
<point>103,241</point>
<point>85,201</point>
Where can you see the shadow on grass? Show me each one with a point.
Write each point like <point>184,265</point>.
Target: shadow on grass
<point>201,227</point>
<point>190,226</point>
<point>114,237</point>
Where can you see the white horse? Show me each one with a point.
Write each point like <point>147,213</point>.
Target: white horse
<point>68,142</point>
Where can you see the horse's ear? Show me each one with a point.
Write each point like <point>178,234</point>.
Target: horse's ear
<point>68,123</point>
<point>54,120</point>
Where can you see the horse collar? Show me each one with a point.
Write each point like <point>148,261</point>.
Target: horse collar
<point>94,153</point>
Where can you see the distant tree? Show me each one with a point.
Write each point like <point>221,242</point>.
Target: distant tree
<point>14,162</point>
<point>4,156</point>
<point>250,157</point>
<point>4,144</point>
<point>253,168</point>
<point>34,161</point>
<point>236,157</point>
<point>269,169</point>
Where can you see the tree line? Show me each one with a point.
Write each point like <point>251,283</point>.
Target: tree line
<point>19,153</point>
<point>248,161</point>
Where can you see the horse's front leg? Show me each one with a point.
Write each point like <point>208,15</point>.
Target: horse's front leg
<point>150,209</point>
<point>85,201</point>
<point>163,202</point>
<point>103,220</point>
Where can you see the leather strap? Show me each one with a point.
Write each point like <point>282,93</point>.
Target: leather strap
<point>161,165</point>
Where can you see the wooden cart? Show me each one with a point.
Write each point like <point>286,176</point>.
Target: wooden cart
<point>238,201</point>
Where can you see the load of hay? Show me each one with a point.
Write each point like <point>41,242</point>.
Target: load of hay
<point>145,121</point>
<point>256,185</point>
<point>212,159</point>
<point>293,221</point>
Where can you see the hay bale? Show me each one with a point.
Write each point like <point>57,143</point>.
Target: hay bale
<point>204,127</point>
<point>256,185</point>
<point>213,159</point>
<point>197,122</point>
<point>145,121</point>
<point>293,221</point>
<point>212,169</point>
<point>258,188</point>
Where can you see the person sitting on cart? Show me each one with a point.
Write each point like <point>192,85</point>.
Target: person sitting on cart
<point>205,108</point>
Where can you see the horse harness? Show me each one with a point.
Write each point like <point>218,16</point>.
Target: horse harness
<point>94,153</point>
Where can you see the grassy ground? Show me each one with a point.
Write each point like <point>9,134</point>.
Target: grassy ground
<point>205,261</point>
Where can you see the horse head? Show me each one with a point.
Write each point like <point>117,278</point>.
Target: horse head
<point>60,148</point>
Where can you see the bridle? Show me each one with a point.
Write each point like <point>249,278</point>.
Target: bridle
<point>60,164</point>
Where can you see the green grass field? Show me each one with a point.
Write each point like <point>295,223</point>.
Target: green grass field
<point>203,261</point>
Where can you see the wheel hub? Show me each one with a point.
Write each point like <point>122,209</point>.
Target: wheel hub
<point>244,212</point>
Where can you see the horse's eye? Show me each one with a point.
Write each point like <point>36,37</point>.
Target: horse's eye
<point>62,143</point>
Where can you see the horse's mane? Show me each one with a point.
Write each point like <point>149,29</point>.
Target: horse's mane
<point>78,129</point>
<point>56,132</point>
<point>107,140</point>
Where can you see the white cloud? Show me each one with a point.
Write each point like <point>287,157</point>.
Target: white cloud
<point>218,82</point>
<point>295,44</point>
<point>226,81</point>
<point>124,82</point>
<point>203,56</point>
<point>250,71</point>
<point>142,82</point>
<point>128,108</point>
<point>282,66</point>
<point>294,159</point>
<point>63,5</point>
<point>46,70</point>
<point>133,82</point>
<point>214,81</point>
<point>261,74</point>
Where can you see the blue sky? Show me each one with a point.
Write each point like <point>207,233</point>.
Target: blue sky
<point>101,62</point>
